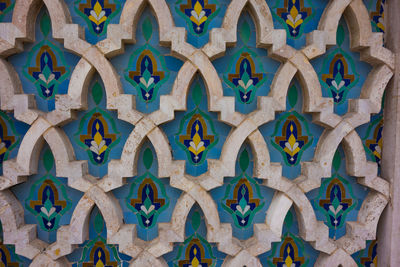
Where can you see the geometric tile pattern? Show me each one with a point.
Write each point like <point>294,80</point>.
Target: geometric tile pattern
<point>113,193</point>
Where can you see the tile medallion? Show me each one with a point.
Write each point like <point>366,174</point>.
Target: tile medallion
<point>147,197</point>
<point>97,13</point>
<point>48,200</point>
<point>242,196</point>
<point>46,67</point>
<point>336,199</point>
<point>197,13</point>
<point>6,6</point>
<point>292,135</point>
<point>242,77</point>
<point>97,133</point>
<point>146,70</point>
<point>199,135</point>
<point>339,74</point>
<point>96,252</point>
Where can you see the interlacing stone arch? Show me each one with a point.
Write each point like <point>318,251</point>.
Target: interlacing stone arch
<point>192,132</point>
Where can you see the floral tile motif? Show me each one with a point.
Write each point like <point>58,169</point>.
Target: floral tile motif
<point>292,133</point>
<point>246,69</point>
<point>341,71</point>
<point>288,253</point>
<point>372,136</point>
<point>195,250</point>
<point>6,6</point>
<point>9,138</point>
<point>294,14</point>
<point>338,74</point>
<point>97,14</point>
<point>376,10</point>
<point>373,139</point>
<point>146,70</point>
<point>197,13</point>
<point>97,133</point>
<point>378,16</point>
<point>242,76</point>
<point>335,199</point>
<point>244,81</point>
<point>147,83</point>
<point>48,200</point>
<point>8,257</point>
<point>194,254</point>
<point>243,200</point>
<point>297,18</point>
<point>198,17</point>
<point>96,251</point>
<point>367,257</point>
<point>295,135</point>
<point>196,135</point>
<point>147,190</point>
<point>147,197</point>
<point>46,67</point>
<point>292,251</point>
<point>242,196</point>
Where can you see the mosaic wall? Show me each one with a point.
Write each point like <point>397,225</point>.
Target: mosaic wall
<point>191,132</point>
